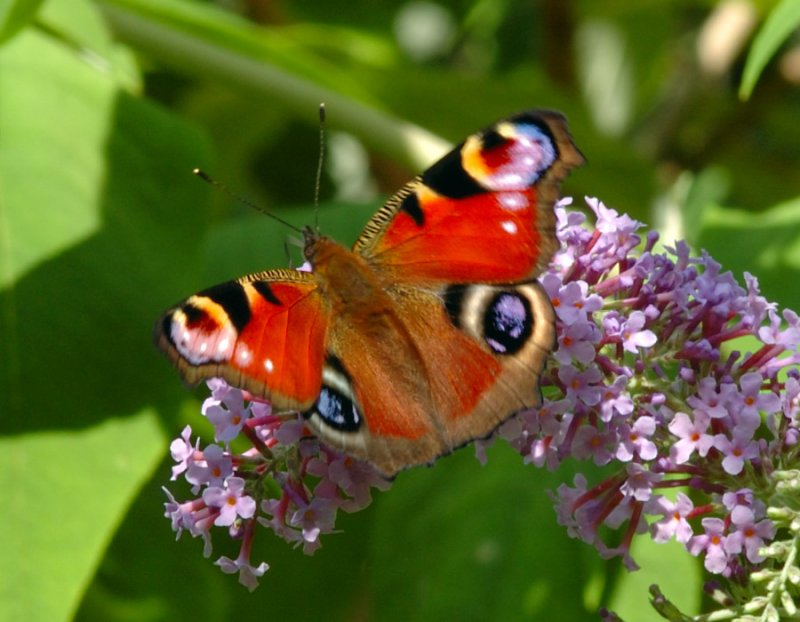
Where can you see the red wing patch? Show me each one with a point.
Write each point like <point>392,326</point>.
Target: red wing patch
<point>474,239</point>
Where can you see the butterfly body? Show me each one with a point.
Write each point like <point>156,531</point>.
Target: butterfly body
<point>428,333</point>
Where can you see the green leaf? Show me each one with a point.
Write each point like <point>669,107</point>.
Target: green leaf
<point>466,542</point>
<point>15,15</point>
<point>671,567</point>
<point>66,493</point>
<point>99,226</point>
<point>780,23</point>
<point>97,203</point>
<point>766,244</point>
<point>41,220</point>
<point>79,24</point>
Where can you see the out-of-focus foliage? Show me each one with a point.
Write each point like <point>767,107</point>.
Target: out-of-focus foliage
<point>779,26</point>
<point>107,105</point>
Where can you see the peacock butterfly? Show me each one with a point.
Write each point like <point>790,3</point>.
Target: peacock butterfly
<point>429,333</point>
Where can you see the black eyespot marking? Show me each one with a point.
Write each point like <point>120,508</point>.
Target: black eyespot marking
<point>454,302</point>
<point>231,297</point>
<point>192,313</point>
<point>410,205</point>
<point>448,177</point>
<point>166,328</point>
<point>263,288</point>
<point>508,322</point>
<point>335,405</point>
<point>337,410</point>
<point>492,138</point>
<point>335,363</point>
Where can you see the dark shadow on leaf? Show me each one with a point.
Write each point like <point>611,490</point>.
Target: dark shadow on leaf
<point>79,346</point>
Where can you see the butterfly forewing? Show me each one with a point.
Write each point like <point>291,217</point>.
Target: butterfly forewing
<point>483,213</point>
<point>264,333</point>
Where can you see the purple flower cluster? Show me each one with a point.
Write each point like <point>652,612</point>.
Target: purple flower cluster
<point>678,381</point>
<point>671,371</point>
<point>286,480</point>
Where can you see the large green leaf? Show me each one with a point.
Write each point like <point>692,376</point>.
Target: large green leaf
<point>79,24</point>
<point>98,203</point>
<point>466,542</point>
<point>100,224</point>
<point>66,493</point>
<point>15,15</point>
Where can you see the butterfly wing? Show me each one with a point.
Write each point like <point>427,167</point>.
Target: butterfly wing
<point>425,382</point>
<point>264,333</point>
<point>462,341</point>
<point>483,213</point>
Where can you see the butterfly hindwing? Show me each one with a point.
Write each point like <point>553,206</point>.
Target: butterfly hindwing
<point>414,397</point>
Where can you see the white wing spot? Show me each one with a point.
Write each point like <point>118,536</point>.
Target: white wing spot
<point>203,347</point>
<point>243,355</point>
<point>509,227</point>
<point>223,344</point>
<point>269,365</point>
<point>513,201</point>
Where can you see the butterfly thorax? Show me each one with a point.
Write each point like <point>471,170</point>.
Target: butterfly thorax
<point>345,278</point>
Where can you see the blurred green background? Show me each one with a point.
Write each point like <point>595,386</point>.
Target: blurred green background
<point>106,106</point>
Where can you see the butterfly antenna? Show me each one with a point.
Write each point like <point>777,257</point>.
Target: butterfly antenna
<point>287,252</point>
<point>319,164</point>
<point>218,184</point>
